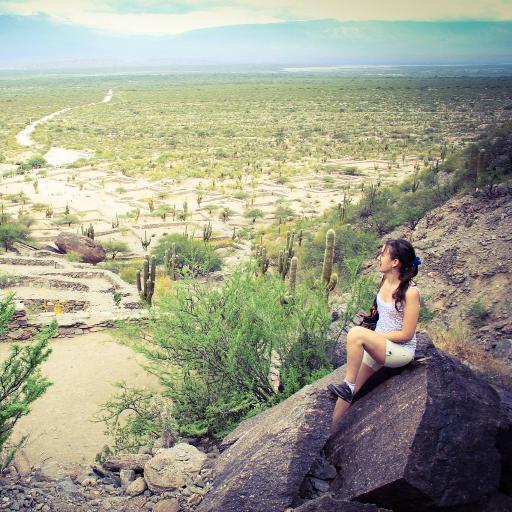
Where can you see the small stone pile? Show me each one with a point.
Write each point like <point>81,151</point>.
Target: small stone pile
<point>165,477</point>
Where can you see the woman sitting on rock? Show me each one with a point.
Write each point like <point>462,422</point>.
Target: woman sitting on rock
<point>393,342</point>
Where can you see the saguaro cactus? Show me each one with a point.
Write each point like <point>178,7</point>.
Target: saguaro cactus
<point>328,256</point>
<point>293,274</point>
<point>329,278</point>
<point>207,232</point>
<point>262,260</point>
<point>170,261</point>
<point>146,288</point>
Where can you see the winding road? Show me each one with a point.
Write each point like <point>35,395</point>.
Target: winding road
<point>56,155</point>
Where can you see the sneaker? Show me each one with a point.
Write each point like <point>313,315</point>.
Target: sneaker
<point>342,391</point>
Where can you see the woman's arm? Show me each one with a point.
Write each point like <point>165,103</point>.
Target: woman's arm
<point>411,316</point>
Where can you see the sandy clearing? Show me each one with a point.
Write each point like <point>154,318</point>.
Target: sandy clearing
<point>83,370</point>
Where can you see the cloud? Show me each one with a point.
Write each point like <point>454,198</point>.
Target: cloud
<point>159,17</point>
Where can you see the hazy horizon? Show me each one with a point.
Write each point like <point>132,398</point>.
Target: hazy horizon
<point>41,34</point>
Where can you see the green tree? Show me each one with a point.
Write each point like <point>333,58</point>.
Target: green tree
<point>283,213</point>
<point>67,219</point>
<point>254,213</point>
<point>21,381</point>
<point>114,247</point>
<point>11,232</point>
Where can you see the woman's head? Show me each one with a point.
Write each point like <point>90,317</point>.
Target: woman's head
<point>399,256</point>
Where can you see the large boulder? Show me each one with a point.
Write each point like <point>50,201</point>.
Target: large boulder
<point>266,458</point>
<point>89,250</point>
<point>172,468</point>
<point>422,439</point>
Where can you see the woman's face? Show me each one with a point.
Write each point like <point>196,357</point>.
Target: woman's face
<point>386,264</point>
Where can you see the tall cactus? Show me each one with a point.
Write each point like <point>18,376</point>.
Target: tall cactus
<point>146,288</point>
<point>293,274</point>
<point>328,256</point>
<point>286,254</point>
<point>480,169</point>
<point>328,277</point>
<point>207,232</point>
<point>171,262</point>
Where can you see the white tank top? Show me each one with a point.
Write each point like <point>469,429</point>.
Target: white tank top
<point>392,320</point>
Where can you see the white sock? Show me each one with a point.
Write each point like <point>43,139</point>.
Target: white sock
<point>350,385</point>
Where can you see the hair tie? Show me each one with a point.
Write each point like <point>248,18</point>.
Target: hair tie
<point>417,261</point>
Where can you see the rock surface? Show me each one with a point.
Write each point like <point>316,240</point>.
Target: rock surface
<point>89,250</point>
<point>266,458</point>
<point>435,426</point>
<point>135,461</point>
<point>330,504</point>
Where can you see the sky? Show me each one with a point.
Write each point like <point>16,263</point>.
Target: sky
<point>60,33</point>
<point>164,17</point>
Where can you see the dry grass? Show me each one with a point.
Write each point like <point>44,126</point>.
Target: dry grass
<point>458,341</point>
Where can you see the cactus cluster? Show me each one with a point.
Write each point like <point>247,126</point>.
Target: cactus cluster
<point>115,222</point>
<point>286,255</point>
<point>329,278</point>
<point>207,232</point>
<point>88,232</point>
<point>344,206</point>
<point>146,285</point>
<point>170,262</point>
<point>261,258</point>
<point>49,211</point>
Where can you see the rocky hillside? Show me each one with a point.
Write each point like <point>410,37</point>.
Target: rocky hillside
<point>466,271</point>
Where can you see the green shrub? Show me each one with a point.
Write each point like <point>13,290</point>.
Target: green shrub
<point>37,162</point>
<point>193,257</point>
<point>478,312</point>
<point>11,232</point>
<point>212,347</point>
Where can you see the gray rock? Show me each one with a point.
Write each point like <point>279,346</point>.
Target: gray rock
<point>320,485</point>
<point>138,486</point>
<point>266,458</point>
<point>435,425</point>
<point>135,461</point>
<point>170,468</point>
<point>329,504</point>
<point>126,476</point>
<point>322,469</point>
<point>167,506</point>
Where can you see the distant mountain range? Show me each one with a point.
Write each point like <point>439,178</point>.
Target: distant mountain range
<point>38,42</point>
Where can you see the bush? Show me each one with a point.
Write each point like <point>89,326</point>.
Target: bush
<point>37,162</point>
<point>194,257</point>
<point>478,312</point>
<point>212,348</point>
<point>20,380</point>
<point>11,232</point>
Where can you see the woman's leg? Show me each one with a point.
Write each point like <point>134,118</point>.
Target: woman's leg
<point>360,339</point>
<point>364,373</point>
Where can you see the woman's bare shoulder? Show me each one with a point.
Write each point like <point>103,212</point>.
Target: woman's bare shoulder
<point>412,292</point>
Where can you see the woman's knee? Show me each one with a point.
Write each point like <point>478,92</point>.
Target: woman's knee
<point>355,332</point>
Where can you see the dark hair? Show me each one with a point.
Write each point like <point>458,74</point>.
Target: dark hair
<point>403,251</point>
